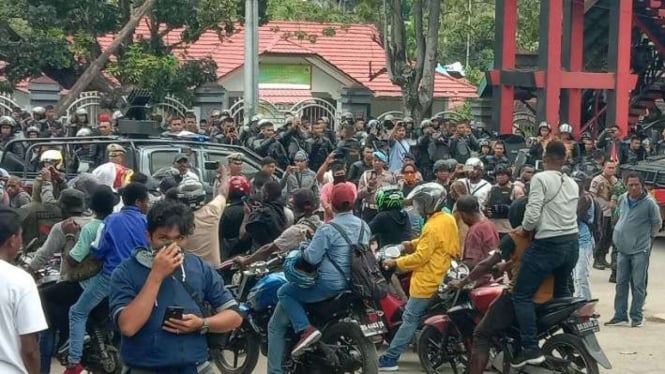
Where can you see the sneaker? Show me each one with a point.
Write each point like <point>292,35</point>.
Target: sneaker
<point>636,324</point>
<point>388,364</point>
<point>605,263</point>
<point>598,265</point>
<point>76,369</point>
<point>616,322</point>
<point>532,356</point>
<point>308,337</point>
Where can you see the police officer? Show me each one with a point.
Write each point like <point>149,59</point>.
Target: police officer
<point>424,159</point>
<point>8,133</point>
<point>267,143</point>
<point>499,199</point>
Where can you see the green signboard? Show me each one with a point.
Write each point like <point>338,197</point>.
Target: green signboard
<point>285,76</point>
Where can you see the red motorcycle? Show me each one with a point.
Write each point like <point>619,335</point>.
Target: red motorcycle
<point>567,325</point>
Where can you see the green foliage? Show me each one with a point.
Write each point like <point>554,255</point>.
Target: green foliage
<point>364,11</point>
<point>463,112</point>
<point>59,37</point>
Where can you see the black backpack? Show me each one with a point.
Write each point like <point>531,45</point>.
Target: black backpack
<point>366,280</point>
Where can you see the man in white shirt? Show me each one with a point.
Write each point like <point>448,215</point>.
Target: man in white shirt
<point>474,182</point>
<point>552,214</point>
<point>21,315</point>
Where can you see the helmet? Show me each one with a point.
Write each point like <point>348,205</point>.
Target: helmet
<point>501,169</point>
<point>39,110</point>
<point>586,135</point>
<point>298,271</point>
<point>389,197</point>
<point>646,142</point>
<point>474,162</point>
<point>7,121</point>
<point>426,123</point>
<point>32,129</point>
<point>84,132</point>
<point>52,157</point>
<point>191,193</point>
<point>544,124</point>
<point>347,115</point>
<point>449,164</point>
<point>564,127</point>
<point>580,176</point>
<point>216,113</point>
<point>389,118</point>
<point>407,119</point>
<point>81,112</point>
<point>372,123</point>
<point>239,185</point>
<point>428,198</point>
<point>484,142</point>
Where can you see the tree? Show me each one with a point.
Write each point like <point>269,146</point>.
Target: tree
<point>59,38</point>
<point>413,74</point>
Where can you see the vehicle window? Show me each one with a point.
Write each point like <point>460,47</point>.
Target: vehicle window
<point>163,159</point>
<point>247,169</point>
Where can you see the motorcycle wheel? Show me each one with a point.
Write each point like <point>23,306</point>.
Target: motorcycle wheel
<point>240,343</point>
<point>569,347</point>
<point>349,336</point>
<point>433,356</point>
<point>112,367</point>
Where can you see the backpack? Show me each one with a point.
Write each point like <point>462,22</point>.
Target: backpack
<point>596,224</point>
<point>366,280</point>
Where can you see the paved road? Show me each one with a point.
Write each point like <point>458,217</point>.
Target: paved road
<point>631,350</point>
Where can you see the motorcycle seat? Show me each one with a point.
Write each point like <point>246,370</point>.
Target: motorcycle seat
<point>329,307</point>
<point>557,304</point>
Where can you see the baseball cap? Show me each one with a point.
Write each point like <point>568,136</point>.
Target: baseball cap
<point>381,156</point>
<point>181,157</point>
<point>300,156</point>
<point>236,156</point>
<point>343,193</point>
<point>115,149</point>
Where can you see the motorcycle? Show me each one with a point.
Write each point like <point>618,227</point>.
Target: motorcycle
<point>393,307</point>
<point>100,347</point>
<point>346,323</point>
<point>567,325</point>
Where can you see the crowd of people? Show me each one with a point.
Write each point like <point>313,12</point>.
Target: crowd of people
<point>439,189</point>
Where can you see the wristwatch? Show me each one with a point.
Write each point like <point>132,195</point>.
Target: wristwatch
<point>205,327</point>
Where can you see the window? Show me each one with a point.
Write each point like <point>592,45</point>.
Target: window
<point>247,169</point>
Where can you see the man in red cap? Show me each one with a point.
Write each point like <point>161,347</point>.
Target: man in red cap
<point>328,251</point>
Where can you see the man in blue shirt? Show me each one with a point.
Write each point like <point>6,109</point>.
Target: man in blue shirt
<point>144,286</point>
<point>398,147</point>
<point>326,245</point>
<point>118,236</point>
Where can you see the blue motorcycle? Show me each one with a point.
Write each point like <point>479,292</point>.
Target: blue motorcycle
<point>347,325</point>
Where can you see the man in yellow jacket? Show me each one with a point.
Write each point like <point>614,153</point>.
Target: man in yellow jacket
<point>429,260</point>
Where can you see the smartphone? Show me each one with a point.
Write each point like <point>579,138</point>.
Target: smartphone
<point>174,312</point>
<point>211,165</point>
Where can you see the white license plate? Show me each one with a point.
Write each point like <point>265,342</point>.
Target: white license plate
<point>588,327</point>
<point>373,328</point>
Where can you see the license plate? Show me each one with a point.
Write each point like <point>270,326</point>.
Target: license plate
<point>588,327</point>
<point>373,328</point>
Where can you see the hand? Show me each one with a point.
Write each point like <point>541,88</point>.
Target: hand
<point>521,232</point>
<point>331,158</point>
<point>389,263</point>
<point>188,324</point>
<point>166,261</point>
<point>290,169</point>
<point>46,174</point>
<point>408,247</point>
<point>70,226</point>
<point>241,261</point>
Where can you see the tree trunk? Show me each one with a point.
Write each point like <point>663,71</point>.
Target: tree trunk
<point>95,68</point>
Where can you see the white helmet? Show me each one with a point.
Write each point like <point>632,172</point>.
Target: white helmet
<point>474,162</point>
<point>565,128</point>
<point>427,198</point>
<point>39,110</point>
<point>84,132</point>
<point>81,112</point>
<point>52,157</point>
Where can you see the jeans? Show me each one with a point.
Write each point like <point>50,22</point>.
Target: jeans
<point>290,309</point>
<point>582,271</point>
<point>413,313</point>
<point>631,273</point>
<point>57,299</point>
<point>556,256</point>
<point>97,289</point>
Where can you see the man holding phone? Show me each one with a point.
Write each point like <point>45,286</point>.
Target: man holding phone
<point>163,329</point>
<point>371,181</point>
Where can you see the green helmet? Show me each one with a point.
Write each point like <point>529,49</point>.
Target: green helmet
<point>389,197</point>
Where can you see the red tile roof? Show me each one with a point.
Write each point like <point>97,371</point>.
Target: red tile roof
<point>284,96</point>
<point>353,49</point>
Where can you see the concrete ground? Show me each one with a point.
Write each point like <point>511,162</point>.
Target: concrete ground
<point>630,350</point>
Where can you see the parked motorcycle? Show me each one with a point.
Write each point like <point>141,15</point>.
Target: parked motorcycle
<point>567,325</point>
<point>347,325</point>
